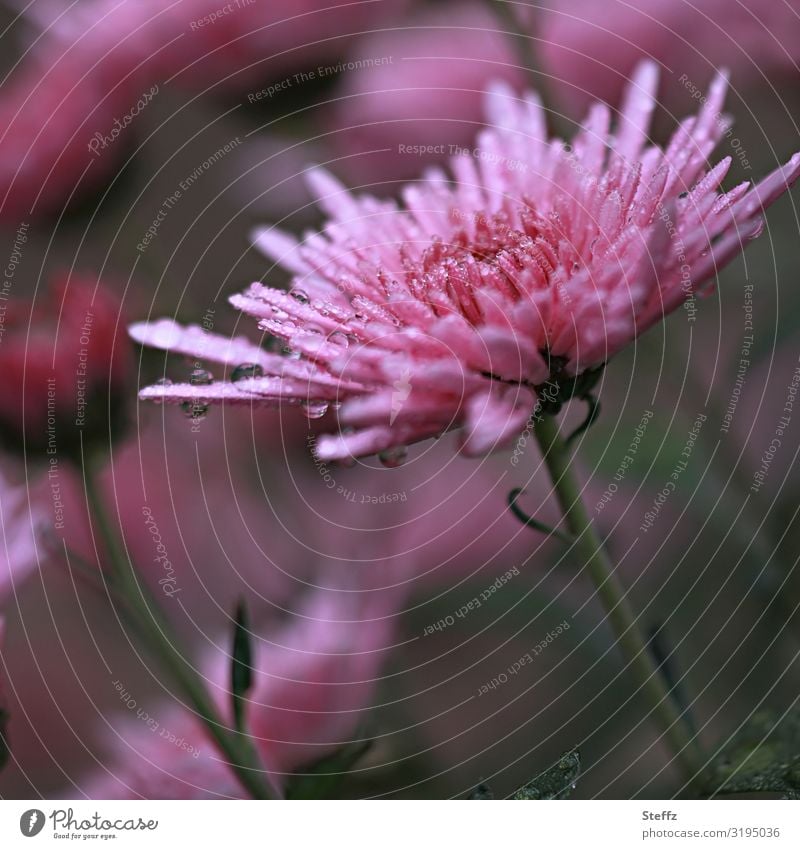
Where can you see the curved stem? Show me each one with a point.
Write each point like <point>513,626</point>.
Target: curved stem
<point>154,629</point>
<point>614,599</point>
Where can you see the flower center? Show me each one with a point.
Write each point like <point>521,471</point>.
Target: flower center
<point>513,255</point>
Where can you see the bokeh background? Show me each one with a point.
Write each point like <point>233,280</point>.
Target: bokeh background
<point>238,109</point>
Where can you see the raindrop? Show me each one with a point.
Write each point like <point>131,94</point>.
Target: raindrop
<point>194,409</point>
<point>200,377</point>
<point>392,458</point>
<point>315,409</point>
<point>245,371</point>
<point>340,339</point>
<point>291,353</point>
<point>300,296</point>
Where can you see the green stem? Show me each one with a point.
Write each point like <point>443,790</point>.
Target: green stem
<point>151,624</point>
<point>612,595</point>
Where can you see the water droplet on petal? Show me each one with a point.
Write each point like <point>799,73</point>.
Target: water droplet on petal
<point>246,371</point>
<point>300,296</point>
<point>392,458</point>
<point>339,338</point>
<point>200,377</point>
<point>315,409</point>
<point>291,353</point>
<point>194,409</point>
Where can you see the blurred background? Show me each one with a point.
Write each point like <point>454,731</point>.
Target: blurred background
<point>141,145</point>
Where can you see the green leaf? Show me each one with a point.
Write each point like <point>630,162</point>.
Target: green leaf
<point>324,776</point>
<point>241,665</point>
<point>764,757</point>
<point>555,783</point>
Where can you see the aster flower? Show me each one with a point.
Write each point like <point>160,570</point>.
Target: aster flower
<point>533,265</point>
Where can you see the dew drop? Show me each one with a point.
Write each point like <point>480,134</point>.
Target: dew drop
<point>194,410</point>
<point>200,377</point>
<point>340,339</point>
<point>315,409</point>
<point>392,458</point>
<point>300,296</point>
<point>291,353</point>
<point>246,371</point>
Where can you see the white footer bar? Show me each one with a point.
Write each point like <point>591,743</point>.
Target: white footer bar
<point>403,824</point>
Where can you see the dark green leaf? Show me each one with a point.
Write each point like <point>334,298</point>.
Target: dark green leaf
<point>555,783</point>
<point>764,757</point>
<point>241,665</point>
<point>323,777</point>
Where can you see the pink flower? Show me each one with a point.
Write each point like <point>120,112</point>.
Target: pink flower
<point>314,681</point>
<point>424,98</point>
<point>589,48</point>
<point>536,263</point>
<point>66,363</point>
<point>18,520</point>
<point>96,67</point>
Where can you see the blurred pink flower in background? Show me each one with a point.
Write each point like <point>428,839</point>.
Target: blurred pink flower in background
<point>590,48</point>
<point>3,743</point>
<point>99,63</point>
<point>66,366</point>
<point>18,521</point>
<point>540,262</point>
<point>212,536</point>
<point>314,681</point>
<point>423,89</point>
